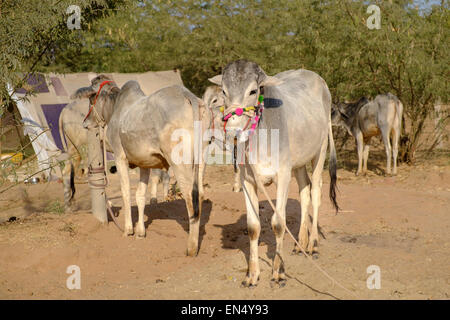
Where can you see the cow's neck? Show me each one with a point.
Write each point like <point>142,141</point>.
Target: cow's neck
<point>109,105</point>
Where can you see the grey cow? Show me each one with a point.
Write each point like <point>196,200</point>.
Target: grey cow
<point>74,137</point>
<point>298,104</point>
<point>141,132</point>
<point>365,119</point>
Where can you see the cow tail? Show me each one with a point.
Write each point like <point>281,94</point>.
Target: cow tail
<point>197,140</point>
<point>332,168</point>
<point>62,135</point>
<point>399,110</point>
<point>72,181</point>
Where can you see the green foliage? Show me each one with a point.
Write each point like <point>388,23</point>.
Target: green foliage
<point>32,30</point>
<point>408,56</point>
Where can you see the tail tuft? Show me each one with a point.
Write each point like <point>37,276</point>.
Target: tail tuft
<point>72,182</point>
<point>332,168</point>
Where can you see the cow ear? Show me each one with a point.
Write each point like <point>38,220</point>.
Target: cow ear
<point>271,81</point>
<point>216,79</point>
<point>85,92</point>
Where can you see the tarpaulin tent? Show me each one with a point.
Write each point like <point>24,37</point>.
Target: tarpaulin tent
<point>40,112</point>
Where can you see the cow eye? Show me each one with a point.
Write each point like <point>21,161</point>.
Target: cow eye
<point>253,92</point>
<point>214,101</point>
<point>223,91</point>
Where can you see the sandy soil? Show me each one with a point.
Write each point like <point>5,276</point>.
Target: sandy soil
<point>401,224</point>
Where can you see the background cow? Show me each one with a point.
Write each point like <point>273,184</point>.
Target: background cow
<point>74,139</point>
<point>365,119</point>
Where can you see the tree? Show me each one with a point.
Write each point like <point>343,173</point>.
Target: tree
<point>406,56</point>
<point>31,31</point>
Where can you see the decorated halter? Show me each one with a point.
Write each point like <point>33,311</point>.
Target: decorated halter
<point>95,100</point>
<point>240,111</point>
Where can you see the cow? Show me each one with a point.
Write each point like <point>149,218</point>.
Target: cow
<point>297,103</point>
<point>214,101</point>
<point>365,119</point>
<point>73,138</point>
<point>144,131</point>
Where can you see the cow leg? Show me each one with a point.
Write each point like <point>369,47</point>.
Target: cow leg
<point>304,187</point>
<point>68,200</point>
<point>76,163</point>
<point>237,187</point>
<point>385,132</point>
<point>395,141</point>
<point>365,154</point>
<point>140,200</point>
<point>165,183</point>
<point>75,159</point>
<point>279,223</point>
<point>359,146</point>
<point>122,170</point>
<point>154,180</point>
<point>253,228</point>
<point>184,175</point>
<point>316,194</point>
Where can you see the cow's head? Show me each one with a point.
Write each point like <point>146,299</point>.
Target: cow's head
<point>214,101</point>
<point>102,92</point>
<point>344,114</point>
<point>242,82</point>
<point>213,98</point>
<point>338,113</point>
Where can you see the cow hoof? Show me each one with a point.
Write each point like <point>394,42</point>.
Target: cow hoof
<point>237,189</point>
<point>140,234</point>
<point>153,201</point>
<point>128,231</point>
<point>315,255</point>
<point>280,283</point>
<point>246,284</point>
<point>297,252</point>
<point>250,281</point>
<point>192,252</point>
<point>68,209</point>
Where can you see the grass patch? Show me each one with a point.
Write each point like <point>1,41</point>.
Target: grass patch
<point>56,207</point>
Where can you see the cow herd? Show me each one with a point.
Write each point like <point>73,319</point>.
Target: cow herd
<point>289,116</point>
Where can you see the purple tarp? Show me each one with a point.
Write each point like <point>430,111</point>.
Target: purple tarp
<point>58,86</point>
<point>37,81</point>
<point>52,112</point>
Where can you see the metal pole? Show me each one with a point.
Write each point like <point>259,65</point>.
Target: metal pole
<point>97,175</point>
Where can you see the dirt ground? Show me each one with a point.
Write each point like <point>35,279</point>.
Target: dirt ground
<point>401,224</point>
